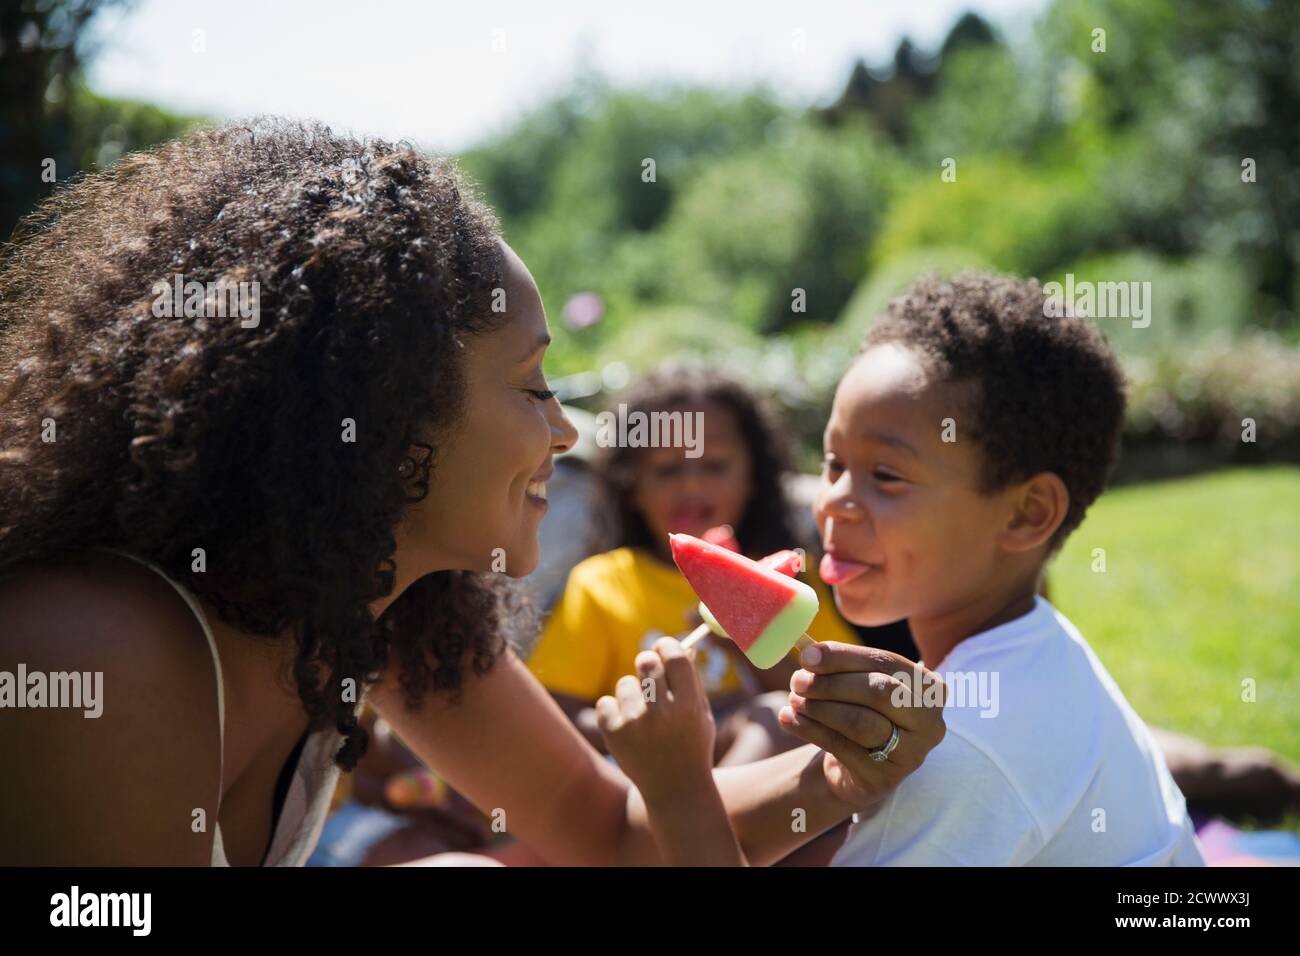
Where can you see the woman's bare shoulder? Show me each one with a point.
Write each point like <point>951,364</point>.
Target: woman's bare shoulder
<point>109,713</point>
<point>105,610</point>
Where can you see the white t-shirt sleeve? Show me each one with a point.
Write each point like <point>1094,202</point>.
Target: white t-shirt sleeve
<point>958,809</point>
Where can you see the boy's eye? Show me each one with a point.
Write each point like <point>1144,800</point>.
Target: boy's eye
<point>831,465</point>
<point>885,476</point>
<point>541,394</point>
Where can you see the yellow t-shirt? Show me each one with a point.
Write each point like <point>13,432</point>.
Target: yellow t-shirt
<point>619,603</point>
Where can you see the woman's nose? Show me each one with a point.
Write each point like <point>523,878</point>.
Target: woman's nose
<point>563,433</point>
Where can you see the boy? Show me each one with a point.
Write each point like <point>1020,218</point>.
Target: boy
<point>966,441</point>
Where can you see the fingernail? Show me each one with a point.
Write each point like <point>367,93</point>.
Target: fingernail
<point>786,714</point>
<point>800,681</point>
<point>796,702</point>
<point>811,656</point>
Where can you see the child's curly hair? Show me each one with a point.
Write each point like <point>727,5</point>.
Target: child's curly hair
<point>766,525</point>
<point>1050,391</point>
<point>180,433</point>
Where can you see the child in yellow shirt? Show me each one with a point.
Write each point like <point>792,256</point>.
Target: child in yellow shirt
<point>619,603</point>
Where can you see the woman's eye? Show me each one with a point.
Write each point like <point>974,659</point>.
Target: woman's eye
<point>831,466</point>
<point>885,476</point>
<point>541,394</point>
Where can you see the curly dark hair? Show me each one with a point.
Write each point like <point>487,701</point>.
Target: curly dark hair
<point>1050,393</point>
<point>174,434</point>
<point>765,526</point>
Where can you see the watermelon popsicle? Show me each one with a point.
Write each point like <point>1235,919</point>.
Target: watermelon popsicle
<point>788,562</point>
<point>762,610</point>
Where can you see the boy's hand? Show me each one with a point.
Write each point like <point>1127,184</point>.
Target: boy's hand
<point>659,725</point>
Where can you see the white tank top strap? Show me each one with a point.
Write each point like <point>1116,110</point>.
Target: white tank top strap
<point>195,607</point>
<point>315,776</point>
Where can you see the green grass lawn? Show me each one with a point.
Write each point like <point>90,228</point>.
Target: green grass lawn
<point>1201,592</point>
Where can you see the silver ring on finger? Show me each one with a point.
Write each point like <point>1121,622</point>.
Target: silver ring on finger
<point>881,754</point>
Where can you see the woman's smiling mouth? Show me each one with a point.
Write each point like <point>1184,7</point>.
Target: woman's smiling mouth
<point>535,490</point>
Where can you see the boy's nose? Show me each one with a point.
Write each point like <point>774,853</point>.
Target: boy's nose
<point>837,500</point>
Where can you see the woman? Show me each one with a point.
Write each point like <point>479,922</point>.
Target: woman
<point>306,502</point>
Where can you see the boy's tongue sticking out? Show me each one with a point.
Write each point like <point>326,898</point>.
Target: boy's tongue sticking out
<point>837,571</point>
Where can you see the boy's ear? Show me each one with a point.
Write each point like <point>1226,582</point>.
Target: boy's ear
<point>1039,506</point>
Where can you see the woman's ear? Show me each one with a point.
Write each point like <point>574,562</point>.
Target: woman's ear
<point>1039,506</point>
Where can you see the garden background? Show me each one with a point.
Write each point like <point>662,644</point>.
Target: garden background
<point>1169,156</point>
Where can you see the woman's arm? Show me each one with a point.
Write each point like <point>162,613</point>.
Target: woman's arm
<point>583,716</point>
<point>508,747</point>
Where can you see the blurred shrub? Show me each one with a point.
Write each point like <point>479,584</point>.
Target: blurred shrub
<point>104,128</point>
<point>1202,394</point>
<point>516,166</point>
<point>654,334</point>
<point>1023,219</point>
<point>568,179</point>
<point>1192,302</point>
<point>1196,87</point>
<point>987,103</point>
<point>891,279</point>
<point>798,212</point>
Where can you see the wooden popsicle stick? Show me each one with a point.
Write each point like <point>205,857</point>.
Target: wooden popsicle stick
<point>703,631</point>
<point>697,635</point>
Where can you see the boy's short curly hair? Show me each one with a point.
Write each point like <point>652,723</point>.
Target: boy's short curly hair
<point>1050,393</point>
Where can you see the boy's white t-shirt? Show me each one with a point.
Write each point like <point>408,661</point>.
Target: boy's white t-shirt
<point>1061,771</point>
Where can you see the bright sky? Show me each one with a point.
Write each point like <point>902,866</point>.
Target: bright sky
<point>447,74</point>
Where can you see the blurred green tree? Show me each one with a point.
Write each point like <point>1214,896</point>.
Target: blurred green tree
<point>51,125</point>
<point>42,45</point>
<point>777,235</point>
<point>1197,88</point>
<point>889,95</point>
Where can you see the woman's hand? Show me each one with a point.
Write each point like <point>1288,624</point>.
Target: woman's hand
<point>658,725</point>
<point>844,700</point>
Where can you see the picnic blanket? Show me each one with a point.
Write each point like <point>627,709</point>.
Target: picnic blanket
<point>1225,845</point>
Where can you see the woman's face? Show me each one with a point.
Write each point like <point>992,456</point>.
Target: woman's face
<point>487,490</point>
<point>684,495</point>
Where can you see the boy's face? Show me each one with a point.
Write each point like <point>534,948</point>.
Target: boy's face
<point>906,532</point>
